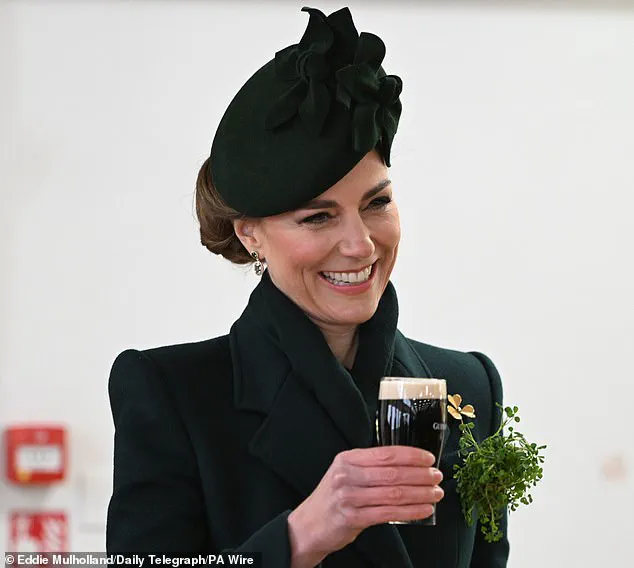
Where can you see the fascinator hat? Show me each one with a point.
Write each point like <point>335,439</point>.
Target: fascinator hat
<point>306,118</point>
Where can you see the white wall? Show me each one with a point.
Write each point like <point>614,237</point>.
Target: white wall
<point>512,166</point>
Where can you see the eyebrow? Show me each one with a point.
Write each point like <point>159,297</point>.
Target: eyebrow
<point>328,203</point>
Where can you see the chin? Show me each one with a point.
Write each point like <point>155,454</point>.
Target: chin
<point>355,317</point>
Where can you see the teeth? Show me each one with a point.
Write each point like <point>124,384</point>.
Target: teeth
<point>348,277</point>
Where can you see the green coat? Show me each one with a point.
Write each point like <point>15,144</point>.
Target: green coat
<point>217,441</point>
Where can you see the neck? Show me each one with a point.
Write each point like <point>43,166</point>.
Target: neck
<point>343,342</point>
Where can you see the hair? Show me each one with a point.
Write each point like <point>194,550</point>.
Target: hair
<point>216,220</point>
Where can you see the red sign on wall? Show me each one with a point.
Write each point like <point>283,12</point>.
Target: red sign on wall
<point>36,454</point>
<point>38,532</point>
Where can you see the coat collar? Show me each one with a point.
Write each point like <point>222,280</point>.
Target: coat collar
<point>314,407</point>
<point>274,338</point>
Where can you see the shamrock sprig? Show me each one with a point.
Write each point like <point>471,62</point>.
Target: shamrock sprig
<point>497,473</point>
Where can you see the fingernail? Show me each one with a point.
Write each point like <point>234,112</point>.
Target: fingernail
<point>438,492</point>
<point>428,456</point>
<point>437,475</point>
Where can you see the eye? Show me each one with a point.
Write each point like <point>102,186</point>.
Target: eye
<point>379,202</point>
<point>317,218</point>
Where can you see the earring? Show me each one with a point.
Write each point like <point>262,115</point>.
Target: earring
<point>259,267</point>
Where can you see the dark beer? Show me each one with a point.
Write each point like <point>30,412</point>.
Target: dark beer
<point>413,412</point>
<point>413,422</point>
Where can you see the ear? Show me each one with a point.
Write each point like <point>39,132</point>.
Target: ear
<point>246,231</point>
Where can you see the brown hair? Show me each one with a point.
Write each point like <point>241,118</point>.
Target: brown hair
<point>216,220</point>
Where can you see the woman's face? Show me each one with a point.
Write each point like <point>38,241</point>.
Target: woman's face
<point>334,256</point>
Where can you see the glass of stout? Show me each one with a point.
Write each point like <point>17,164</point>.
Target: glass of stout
<point>413,412</point>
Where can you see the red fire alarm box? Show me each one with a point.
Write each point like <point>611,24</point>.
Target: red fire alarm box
<point>36,454</point>
<point>38,532</point>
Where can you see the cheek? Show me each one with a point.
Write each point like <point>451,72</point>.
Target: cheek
<point>292,251</point>
<point>395,233</point>
<point>387,232</point>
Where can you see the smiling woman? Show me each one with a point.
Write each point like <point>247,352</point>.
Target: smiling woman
<point>333,256</point>
<point>264,440</point>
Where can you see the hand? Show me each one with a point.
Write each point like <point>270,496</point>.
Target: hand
<point>362,487</point>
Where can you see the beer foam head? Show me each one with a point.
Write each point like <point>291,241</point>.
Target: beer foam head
<point>394,388</point>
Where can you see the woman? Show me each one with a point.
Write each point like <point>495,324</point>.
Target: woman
<point>261,440</point>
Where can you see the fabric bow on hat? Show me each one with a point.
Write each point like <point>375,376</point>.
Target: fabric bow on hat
<point>307,64</point>
<point>377,107</point>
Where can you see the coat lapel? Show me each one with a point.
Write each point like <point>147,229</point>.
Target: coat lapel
<point>313,409</point>
<point>298,440</point>
<point>307,421</point>
<point>286,342</point>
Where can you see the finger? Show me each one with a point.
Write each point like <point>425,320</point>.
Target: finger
<point>388,455</point>
<point>389,475</point>
<point>368,516</point>
<point>396,495</point>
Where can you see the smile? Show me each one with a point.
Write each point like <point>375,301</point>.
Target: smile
<point>348,278</point>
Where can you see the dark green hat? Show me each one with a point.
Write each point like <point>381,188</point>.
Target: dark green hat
<point>306,118</point>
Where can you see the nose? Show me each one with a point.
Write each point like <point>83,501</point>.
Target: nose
<point>356,240</point>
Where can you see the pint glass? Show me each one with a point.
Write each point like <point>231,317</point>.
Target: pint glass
<point>413,412</point>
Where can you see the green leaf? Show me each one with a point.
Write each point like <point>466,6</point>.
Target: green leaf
<point>496,474</point>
